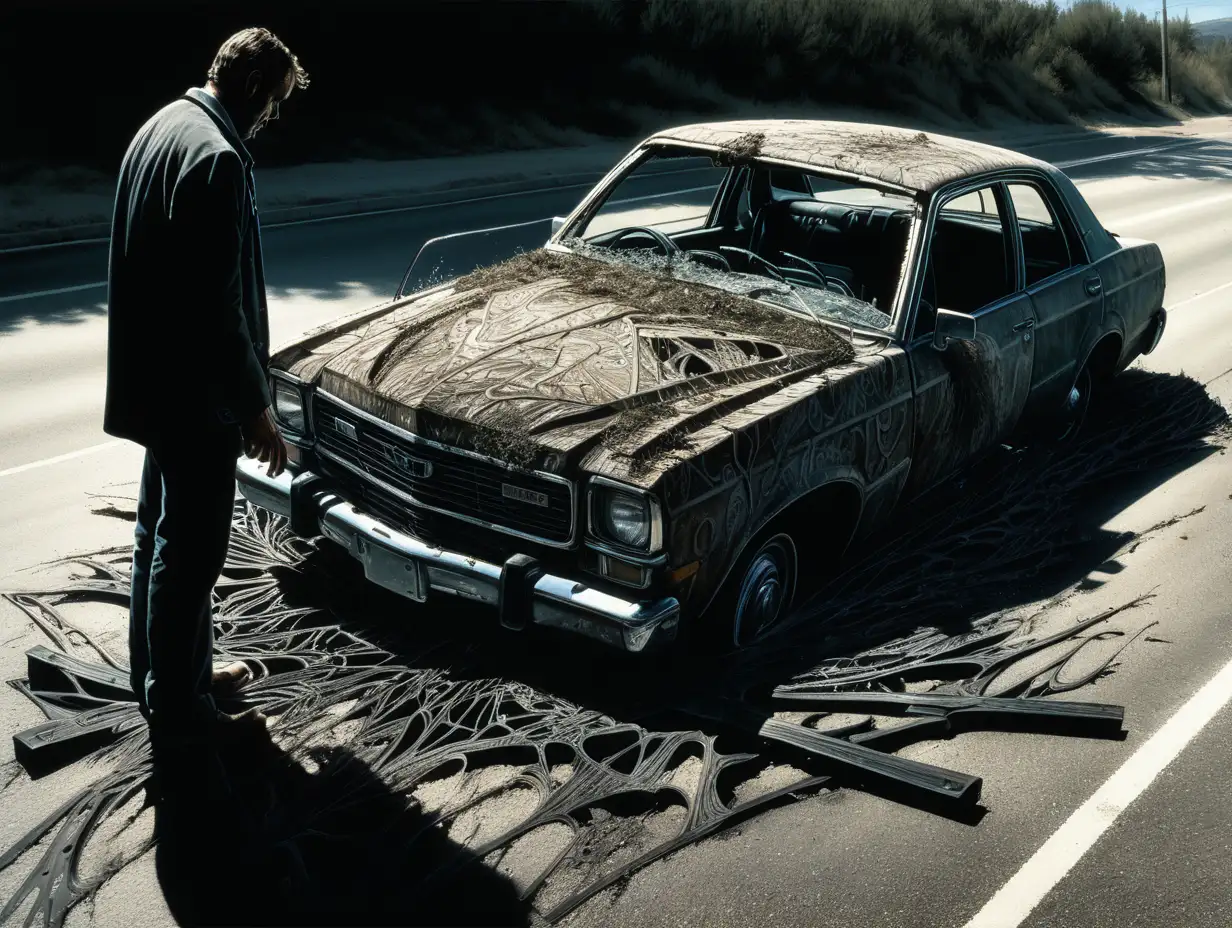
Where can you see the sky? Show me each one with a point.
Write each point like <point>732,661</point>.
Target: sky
<point>1198,9</point>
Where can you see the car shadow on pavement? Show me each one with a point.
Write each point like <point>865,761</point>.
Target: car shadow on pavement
<point>1026,526</point>
<point>329,846</point>
<point>603,762</point>
<point>1022,527</point>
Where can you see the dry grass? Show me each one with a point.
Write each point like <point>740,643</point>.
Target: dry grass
<point>657,295</point>
<point>633,68</point>
<point>953,62</point>
<point>740,150</point>
<point>651,295</point>
<point>622,436</point>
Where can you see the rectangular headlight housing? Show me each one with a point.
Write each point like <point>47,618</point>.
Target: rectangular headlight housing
<point>289,407</point>
<point>624,517</point>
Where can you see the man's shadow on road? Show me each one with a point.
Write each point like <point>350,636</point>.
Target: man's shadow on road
<point>334,846</point>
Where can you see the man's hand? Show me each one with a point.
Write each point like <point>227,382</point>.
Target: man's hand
<point>263,441</point>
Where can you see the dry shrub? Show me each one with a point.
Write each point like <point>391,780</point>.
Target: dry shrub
<point>1197,83</point>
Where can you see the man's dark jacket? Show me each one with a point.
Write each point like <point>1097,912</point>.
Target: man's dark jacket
<point>188,330</point>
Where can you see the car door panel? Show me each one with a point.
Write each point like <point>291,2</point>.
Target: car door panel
<point>1069,310</point>
<point>1066,293</point>
<point>969,396</point>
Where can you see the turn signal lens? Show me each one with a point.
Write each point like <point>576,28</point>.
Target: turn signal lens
<point>622,571</point>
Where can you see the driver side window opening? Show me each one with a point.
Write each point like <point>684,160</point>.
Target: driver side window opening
<point>811,243</point>
<point>968,259</point>
<point>669,193</point>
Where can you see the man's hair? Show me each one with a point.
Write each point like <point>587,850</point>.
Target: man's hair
<point>255,49</point>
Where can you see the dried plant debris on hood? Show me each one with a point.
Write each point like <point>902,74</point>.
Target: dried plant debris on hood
<point>622,433</point>
<point>667,291</point>
<point>508,441</point>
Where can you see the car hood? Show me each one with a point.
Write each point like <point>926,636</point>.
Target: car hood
<point>548,357</point>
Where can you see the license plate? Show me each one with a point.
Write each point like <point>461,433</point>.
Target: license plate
<point>524,496</point>
<point>402,575</point>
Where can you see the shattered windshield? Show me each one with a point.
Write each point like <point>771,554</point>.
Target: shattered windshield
<point>807,243</point>
<point>809,301</point>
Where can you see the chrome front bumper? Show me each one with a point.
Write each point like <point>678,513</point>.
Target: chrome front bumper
<point>411,567</point>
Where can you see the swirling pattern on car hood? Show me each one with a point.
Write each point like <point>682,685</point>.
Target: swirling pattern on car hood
<point>560,357</point>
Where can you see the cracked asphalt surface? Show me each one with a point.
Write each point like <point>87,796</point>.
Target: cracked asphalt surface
<point>842,858</point>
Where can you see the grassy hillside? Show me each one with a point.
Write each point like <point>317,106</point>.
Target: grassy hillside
<point>437,78</point>
<point>1213,30</point>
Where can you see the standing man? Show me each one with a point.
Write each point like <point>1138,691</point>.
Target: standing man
<point>188,343</point>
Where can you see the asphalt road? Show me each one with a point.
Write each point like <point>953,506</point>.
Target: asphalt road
<point>845,858</point>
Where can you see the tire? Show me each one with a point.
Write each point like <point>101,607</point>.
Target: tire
<point>1074,408</point>
<point>761,595</point>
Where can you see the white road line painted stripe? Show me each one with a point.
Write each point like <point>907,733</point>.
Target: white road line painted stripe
<point>1200,296</point>
<point>20,249</point>
<point>666,193</point>
<point>58,290</point>
<point>1097,159</point>
<point>73,454</point>
<point>1046,868</point>
<point>652,196</point>
<point>1130,220</point>
<point>541,190</point>
<point>1166,211</point>
<point>80,452</point>
<point>1155,214</point>
<point>360,215</point>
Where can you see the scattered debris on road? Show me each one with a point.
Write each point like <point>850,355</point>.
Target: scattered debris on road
<point>420,770</point>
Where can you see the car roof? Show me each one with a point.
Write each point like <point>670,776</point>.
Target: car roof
<point>904,158</point>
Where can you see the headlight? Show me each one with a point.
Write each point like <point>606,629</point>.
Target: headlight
<point>624,517</point>
<point>289,406</point>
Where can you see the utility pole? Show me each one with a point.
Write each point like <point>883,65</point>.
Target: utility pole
<point>1163,29</point>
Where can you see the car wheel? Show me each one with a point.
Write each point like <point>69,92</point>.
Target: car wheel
<point>1074,407</point>
<point>764,593</point>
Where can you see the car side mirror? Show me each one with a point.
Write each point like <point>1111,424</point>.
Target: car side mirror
<point>558,223</point>
<point>954,325</point>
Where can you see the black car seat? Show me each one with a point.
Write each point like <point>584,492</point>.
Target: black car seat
<point>805,235</point>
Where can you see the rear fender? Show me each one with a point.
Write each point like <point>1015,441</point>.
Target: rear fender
<point>1133,277</point>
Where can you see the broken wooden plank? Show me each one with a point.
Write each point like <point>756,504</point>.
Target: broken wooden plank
<point>55,744</point>
<point>936,781</point>
<point>965,711</point>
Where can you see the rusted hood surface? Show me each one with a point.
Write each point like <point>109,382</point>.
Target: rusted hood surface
<point>555,359</point>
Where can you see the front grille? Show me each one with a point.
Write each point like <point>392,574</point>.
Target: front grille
<point>442,479</point>
<point>428,526</point>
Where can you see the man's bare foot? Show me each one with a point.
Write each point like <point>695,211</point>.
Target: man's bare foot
<point>229,679</point>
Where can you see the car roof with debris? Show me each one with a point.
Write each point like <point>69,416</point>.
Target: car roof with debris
<point>907,158</point>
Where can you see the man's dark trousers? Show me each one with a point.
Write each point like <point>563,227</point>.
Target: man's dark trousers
<point>183,528</point>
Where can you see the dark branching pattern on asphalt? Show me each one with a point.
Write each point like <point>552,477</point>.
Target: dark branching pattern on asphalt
<point>418,769</point>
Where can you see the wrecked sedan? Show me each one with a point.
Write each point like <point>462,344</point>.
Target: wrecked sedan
<point>743,349</point>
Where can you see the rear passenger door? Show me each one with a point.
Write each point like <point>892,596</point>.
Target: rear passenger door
<point>969,395</point>
<point>1066,293</point>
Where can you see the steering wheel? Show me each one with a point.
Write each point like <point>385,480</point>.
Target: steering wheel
<point>669,247</point>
